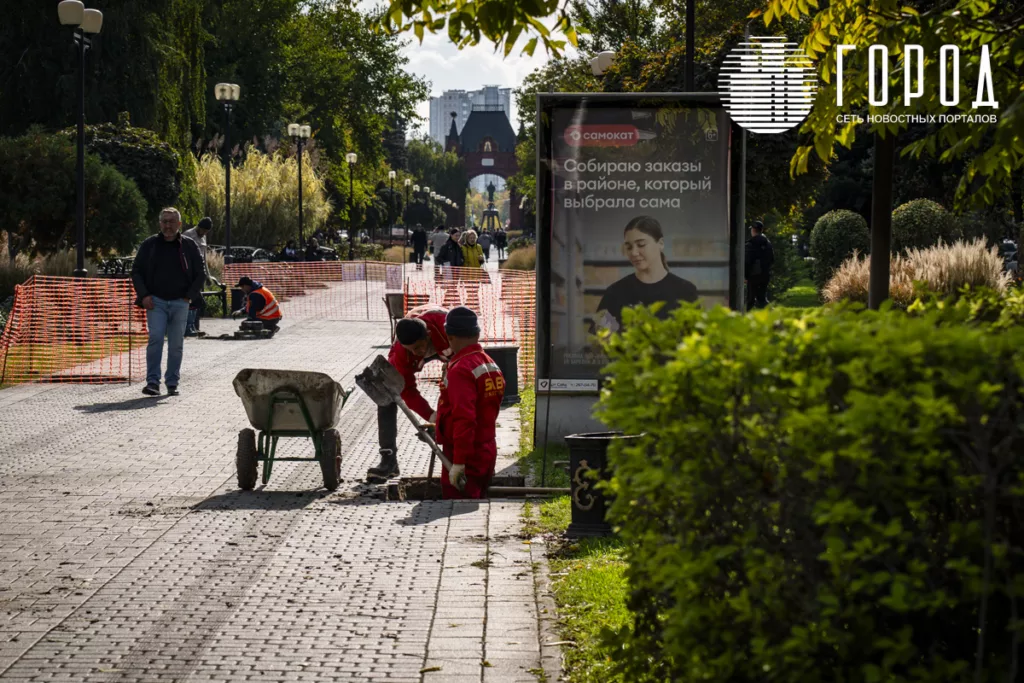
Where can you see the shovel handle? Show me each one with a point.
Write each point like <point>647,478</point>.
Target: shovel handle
<point>426,437</point>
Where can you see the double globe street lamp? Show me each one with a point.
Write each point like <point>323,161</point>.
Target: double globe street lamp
<point>391,227</point>
<point>85,21</point>
<point>351,159</point>
<point>227,94</point>
<point>299,134</point>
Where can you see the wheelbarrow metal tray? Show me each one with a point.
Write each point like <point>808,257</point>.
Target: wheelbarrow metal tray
<point>324,398</point>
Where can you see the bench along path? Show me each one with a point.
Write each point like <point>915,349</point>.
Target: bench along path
<point>128,554</point>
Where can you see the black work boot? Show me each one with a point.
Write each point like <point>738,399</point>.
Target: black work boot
<point>386,469</point>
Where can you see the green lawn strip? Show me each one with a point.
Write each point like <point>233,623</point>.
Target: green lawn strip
<point>587,576</point>
<point>802,295</point>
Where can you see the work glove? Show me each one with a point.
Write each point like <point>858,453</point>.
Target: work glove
<point>457,476</point>
<point>433,418</point>
<point>235,315</point>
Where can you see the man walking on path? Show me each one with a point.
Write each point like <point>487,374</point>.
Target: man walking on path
<point>419,245</point>
<point>467,412</point>
<point>501,241</point>
<point>260,304</point>
<point>420,338</point>
<point>197,307</point>
<point>451,252</point>
<point>759,259</point>
<point>485,243</point>
<point>168,273</point>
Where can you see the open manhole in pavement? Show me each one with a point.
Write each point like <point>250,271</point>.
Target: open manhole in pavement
<point>420,488</point>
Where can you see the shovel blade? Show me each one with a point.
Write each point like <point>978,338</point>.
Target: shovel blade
<point>381,382</point>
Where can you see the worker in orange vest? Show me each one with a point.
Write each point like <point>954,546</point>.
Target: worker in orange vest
<point>260,304</point>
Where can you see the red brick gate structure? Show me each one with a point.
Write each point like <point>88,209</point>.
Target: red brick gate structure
<point>487,146</point>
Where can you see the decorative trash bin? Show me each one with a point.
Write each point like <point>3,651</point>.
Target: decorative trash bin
<point>507,360</point>
<point>589,452</point>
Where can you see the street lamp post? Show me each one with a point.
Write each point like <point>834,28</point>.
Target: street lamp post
<point>351,159</point>
<point>405,242</point>
<point>391,227</point>
<point>299,134</point>
<point>426,199</point>
<point>73,13</point>
<point>227,94</point>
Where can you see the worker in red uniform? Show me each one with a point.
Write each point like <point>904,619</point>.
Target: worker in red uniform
<point>467,412</point>
<point>419,339</point>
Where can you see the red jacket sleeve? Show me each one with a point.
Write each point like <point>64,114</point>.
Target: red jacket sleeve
<point>462,392</point>
<point>403,361</point>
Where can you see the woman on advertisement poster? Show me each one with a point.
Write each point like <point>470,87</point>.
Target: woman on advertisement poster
<point>651,282</point>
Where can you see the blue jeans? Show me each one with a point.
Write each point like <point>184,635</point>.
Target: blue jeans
<point>167,319</point>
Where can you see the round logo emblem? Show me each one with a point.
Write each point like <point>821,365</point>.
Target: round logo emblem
<point>767,84</point>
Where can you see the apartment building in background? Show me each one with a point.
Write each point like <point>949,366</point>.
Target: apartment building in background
<point>490,97</point>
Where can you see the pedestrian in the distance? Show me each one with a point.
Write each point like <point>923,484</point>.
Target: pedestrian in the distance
<point>437,242</point>
<point>313,251</point>
<point>501,241</point>
<point>759,257</point>
<point>472,252</point>
<point>467,412</point>
<point>419,245</point>
<point>485,243</point>
<point>197,307</point>
<point>167,273</point>
<point>451,253</point>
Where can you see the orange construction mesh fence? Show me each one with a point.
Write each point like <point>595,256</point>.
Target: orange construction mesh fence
<point>89,330</point>
<point>505,300</point>
<point>65,329</point>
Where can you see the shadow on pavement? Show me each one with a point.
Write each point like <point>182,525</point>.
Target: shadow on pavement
<point>427,511</point>
<point>260,500</point>
<point>130,404</point>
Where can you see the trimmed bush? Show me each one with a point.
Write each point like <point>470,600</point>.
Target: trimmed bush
<point>922,223</point>
<point>834,238</point>
<point>524,258</point>
<point>38,198</point>
<point>944,269</point>
<point>830,497</point>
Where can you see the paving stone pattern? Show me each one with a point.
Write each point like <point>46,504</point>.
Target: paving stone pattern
<point>128,554</point>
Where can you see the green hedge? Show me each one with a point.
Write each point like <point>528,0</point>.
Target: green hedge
<point>810,501</point>
<point>922,223</point>
<point>834,238</point>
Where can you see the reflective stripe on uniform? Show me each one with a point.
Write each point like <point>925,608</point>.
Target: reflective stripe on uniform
<point>486,367</point>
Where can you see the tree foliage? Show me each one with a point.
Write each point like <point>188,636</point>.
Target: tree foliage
<point>992,153</point>
<point>148,61</point>
<point>138,154</point>
<point>38,198</point>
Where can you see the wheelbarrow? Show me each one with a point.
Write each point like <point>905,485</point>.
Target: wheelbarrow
<point>288,403</point>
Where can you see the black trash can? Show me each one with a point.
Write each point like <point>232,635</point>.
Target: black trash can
<point>589,452</point>
<point>507,360</point>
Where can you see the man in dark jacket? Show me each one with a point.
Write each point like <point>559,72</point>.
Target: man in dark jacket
<point>419,245</point>
<point>168,273</point>
<point>501,242</point>
<point>759,259</point>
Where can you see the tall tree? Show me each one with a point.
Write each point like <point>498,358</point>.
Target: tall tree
<point>148,61</point>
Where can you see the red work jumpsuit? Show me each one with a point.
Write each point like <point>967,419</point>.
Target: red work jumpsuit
<point>408,364</point>
<point>467,413</point>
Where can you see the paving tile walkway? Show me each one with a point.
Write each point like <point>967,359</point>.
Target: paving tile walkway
<point>128,554</point>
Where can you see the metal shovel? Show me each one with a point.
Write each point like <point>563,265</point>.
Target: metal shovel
<point>383,384</point>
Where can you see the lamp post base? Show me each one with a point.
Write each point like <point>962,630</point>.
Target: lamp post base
<point>80,273</point>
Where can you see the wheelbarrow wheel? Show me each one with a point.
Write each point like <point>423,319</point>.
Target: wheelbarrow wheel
<point>330,459</point>
<point>247,460</point>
